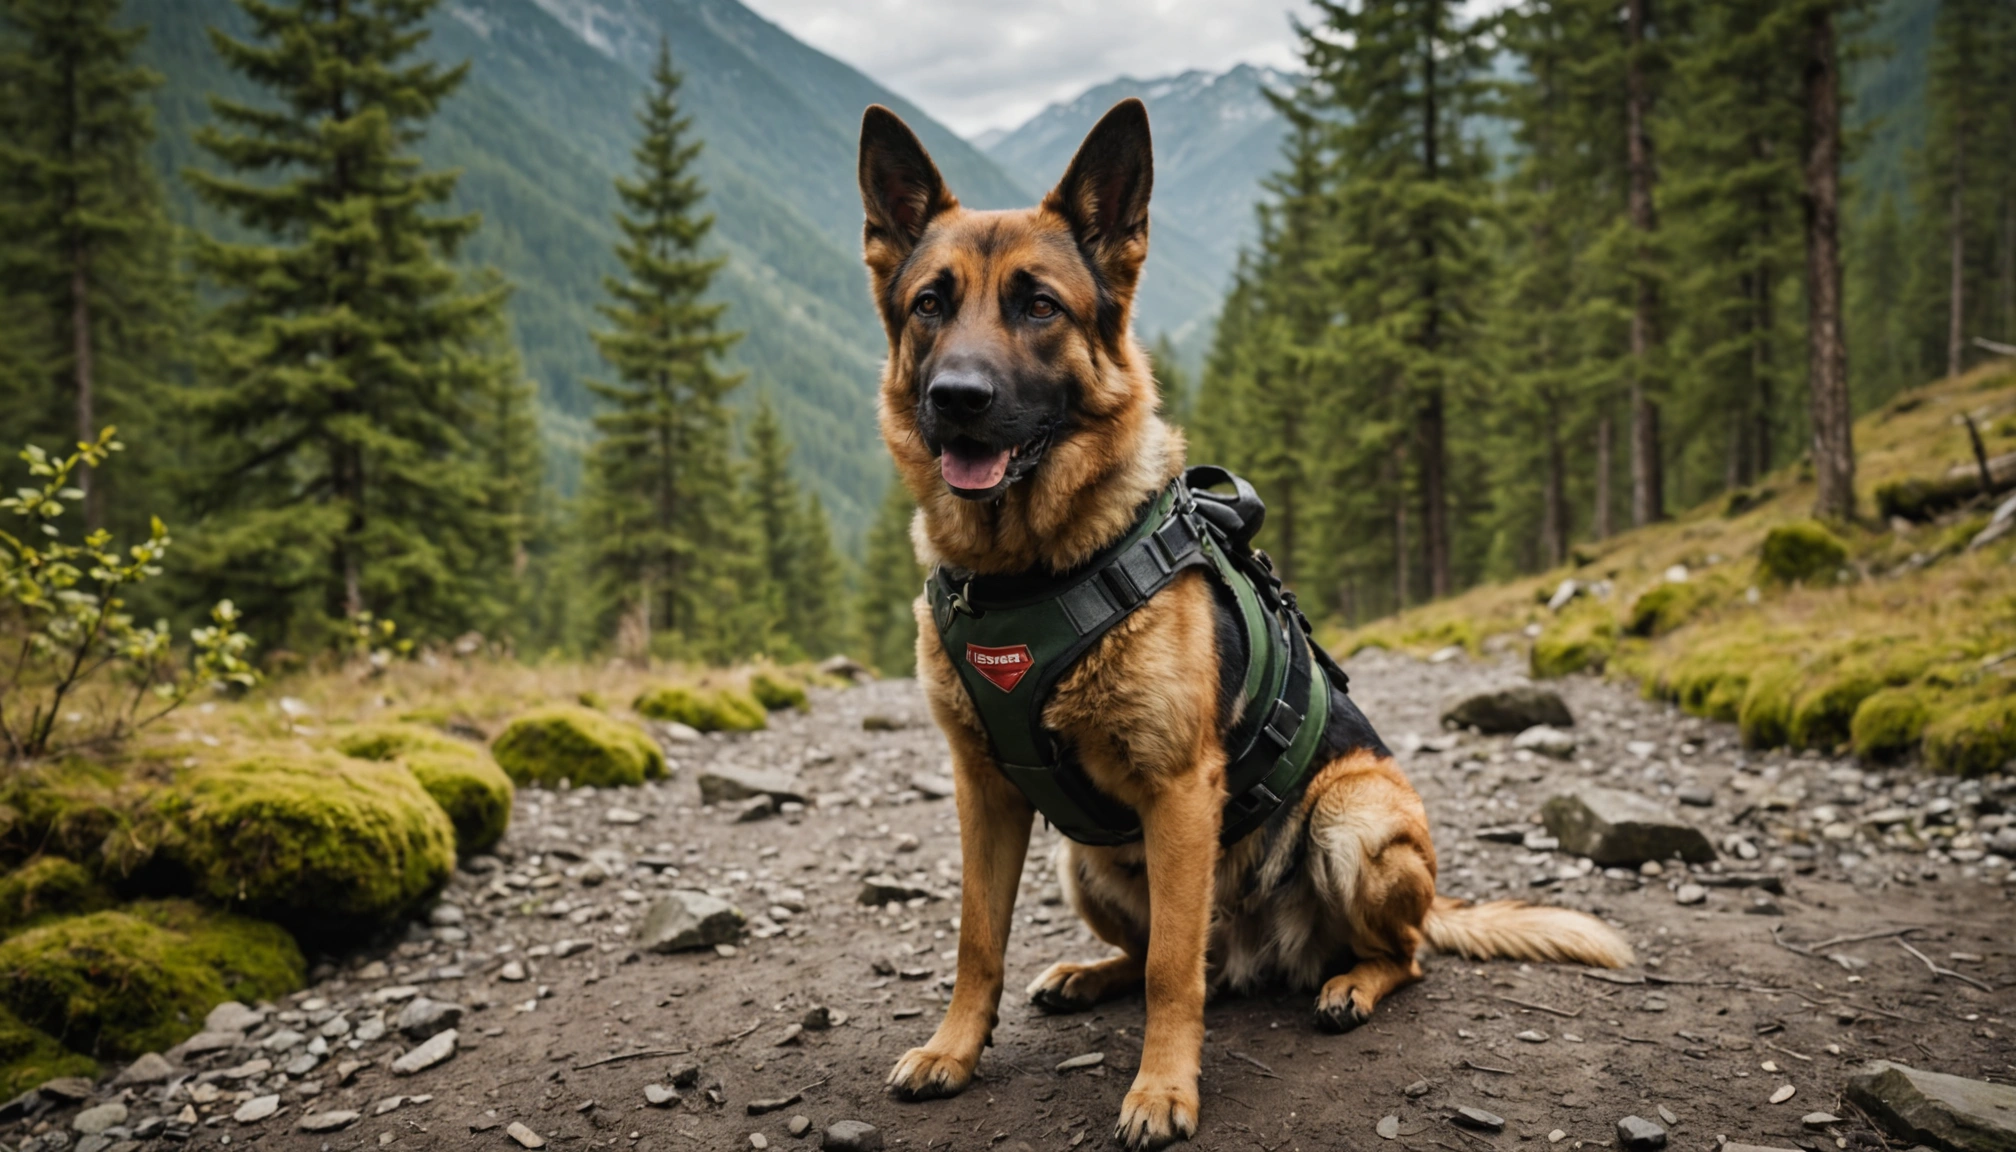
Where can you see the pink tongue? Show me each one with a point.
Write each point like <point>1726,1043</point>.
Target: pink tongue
<point>973,472</point>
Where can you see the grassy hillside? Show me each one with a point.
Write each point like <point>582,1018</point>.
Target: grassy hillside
<point>1902,642</point>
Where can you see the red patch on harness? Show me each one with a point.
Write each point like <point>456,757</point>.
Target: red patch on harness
<point>1004,666</point>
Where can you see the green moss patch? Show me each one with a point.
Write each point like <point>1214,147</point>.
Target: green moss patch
<point>81,811</point>
<point>709,710</point>
<point>1800,552</point>
<point>140,979</point>
<point>48,886</point>
<point>30,1056</point>
<point>322,843</point>
<point>776,693</point>
<point>461,778</point>
<point>1582,638</point>
<point>568,742</point>
<point>1666,607</point>
<point>1973,740</point>
<point>1888,724</point>
<point>1823,707</point>
<point>1765,712</point>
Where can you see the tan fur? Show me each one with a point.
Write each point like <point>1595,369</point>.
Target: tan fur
<point>1341,902</point>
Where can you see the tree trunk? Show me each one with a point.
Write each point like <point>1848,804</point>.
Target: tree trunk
<point>1767,395</point>
<point>80,351</point>
<point>1399,477</point>
<point>1956,292</point>
<point>1606,467</point>
<point>1431,423</point>
<point>1434,492</point>
<point>1554,499</point>
<point>1827,352</point>
<point>1647,497</point>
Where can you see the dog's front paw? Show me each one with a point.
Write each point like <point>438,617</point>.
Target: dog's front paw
<point>1341,1009</point>
<point>927,1073</point>
<point>1063,988</point>
<point>1156,1114</point>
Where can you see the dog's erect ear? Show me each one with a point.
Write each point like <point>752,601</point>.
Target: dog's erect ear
<point>900,187</point>
<point>1104,193</point>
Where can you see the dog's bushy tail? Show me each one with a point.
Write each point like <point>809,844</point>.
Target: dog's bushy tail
<point>1516,930</point>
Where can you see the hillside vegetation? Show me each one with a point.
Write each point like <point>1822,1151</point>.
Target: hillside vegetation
<point>1894,636</point>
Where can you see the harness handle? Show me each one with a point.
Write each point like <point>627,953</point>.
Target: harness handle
<point>1237,517</point>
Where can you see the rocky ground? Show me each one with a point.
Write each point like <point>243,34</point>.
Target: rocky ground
<point>1852,913</point>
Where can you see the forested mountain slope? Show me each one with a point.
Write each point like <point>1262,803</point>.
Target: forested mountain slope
<point>544,124</point>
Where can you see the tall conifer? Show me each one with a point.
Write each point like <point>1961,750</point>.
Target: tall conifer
<point>662,489</point>
<point>801,572</point>
<point>891,581</point>
<point>349,361</point>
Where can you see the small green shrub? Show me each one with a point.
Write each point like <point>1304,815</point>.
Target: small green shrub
<point>140,979</point>
<point>1765,713</point>
<point>1662,609</point>
<point>1888,724</point>
<point>776,693</point>
<point>1973,740</point>
<point>325,844</point>
<point>30,1057</point>
<point>461,778</point>
<point>568,742</point>
<point>48,886</point>
<point>1582,638</point>
<point>1802,550</point>
<point>709,710</point>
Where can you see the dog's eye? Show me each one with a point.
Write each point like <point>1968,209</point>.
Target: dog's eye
<point>928,304</point>
<point>1042,308</point>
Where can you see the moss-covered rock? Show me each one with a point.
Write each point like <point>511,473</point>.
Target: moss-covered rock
<point>325,844</point>
<point>1666,607</point>
<point>140,978</point>
<point>48,886</point>
<point>1825,705</point>
<point>461,777</point>
<point>30,1056</point>
<point>81,811</point>
<point>1765,714</point>
<point>776,693</point>
<point>568,742</point>
<point>1582,638</point>
<point>1972,740</point>
<point>707,709</point>
<point>1803,550</point>
<point>1888,724</point>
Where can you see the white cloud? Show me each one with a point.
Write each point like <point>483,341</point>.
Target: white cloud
<point>977,65</point>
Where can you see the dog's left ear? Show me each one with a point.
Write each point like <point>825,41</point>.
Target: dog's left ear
<point>1104,193</point>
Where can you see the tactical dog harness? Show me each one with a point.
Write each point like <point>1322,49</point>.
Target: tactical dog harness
<point>1013,638</point>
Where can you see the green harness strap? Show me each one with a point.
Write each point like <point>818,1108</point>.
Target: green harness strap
<point>1012,638</point>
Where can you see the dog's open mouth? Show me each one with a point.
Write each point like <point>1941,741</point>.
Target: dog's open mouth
<point>978,471</point>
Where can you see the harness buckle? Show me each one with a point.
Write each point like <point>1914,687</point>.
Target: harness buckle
<point>961,602</point>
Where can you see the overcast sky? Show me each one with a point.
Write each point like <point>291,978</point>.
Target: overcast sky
<point>975,65</point>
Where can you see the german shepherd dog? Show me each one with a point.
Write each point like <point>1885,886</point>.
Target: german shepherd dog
<point>1022,417</point>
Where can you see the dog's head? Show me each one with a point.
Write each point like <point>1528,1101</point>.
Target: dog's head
<point>1010,350</point>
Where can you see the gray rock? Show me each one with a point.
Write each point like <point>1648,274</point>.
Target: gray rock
<point>724,783</point>
<point>1546,740</point>
<point>776,1104</point>
<point>846,669</point>
<point>1637,1134</point>
<point>1088,1060</point>
<point>684,1074</point>
<point>881,888</point>
<point>207,1041</point>
<point>1511,710</point>
<point>98,1143</point>
<point>851,1136</point>
<point>755,808</point>
<point>1479,1119</point>
<point>1389,1128</point>
<point>1951,1113</point>
<point>150,1068</point>
<point>798,1126</point>
<point>231,1016</point>
<point>427,1055</point>
<point>283,1040</point>
<point>931,785</point>
<point>686,919</point>
<point>525,1137</point>
<point>1690,894</point>
<point>1695,796</point>
<point>659,1096</point>
<point>327,1121</point>
<point>256,1109</point>
<point>817,1018</point>
<point>422,1018</point>
<point>1613,827</point>
<point>92,1121</point>
<point>446,916</point>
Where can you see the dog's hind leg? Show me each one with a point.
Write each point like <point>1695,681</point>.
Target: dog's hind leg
<point>1114,905</point>
<point>1375,866</point>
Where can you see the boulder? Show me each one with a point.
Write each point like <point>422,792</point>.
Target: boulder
<point>777,693</point>
<point>1614,827</point>
<point>126,982</point>
<point>580,745</point>
<point>684,920</point>
<point>461,777</point>
<point>707,709</point>
<point>725,783</point>
<point>327,845</point>
<point>423,1019</point>
<point>150,1068</point>
<point>1951,1113</point>
<point>95,1120</point>
<point>1511,710</point>
<point>48,886</point>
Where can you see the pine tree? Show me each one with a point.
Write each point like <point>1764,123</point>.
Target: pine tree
<point>663,492</point>
<point>349,362</point>
<point>1966,170</point>
<point>86,256</point>
<point>891,581</point>
<point>801,571</point>
<point>1172,383</point>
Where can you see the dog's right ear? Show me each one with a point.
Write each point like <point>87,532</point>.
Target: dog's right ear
<point>901,189</point>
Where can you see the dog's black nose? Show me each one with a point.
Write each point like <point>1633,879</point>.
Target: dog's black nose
<point>960,395</point>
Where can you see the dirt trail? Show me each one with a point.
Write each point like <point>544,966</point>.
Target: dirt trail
<point>1717,1018</point>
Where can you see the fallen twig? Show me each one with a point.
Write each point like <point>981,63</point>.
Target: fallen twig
<point>741,1034</point>
<point>1938,971</point>
<point>1788,1052</point>
<point>1264,1069</point>
<point>1474,1066</point>
<point>622,1056</point>
<point>1811,950</point>
<point>1547,1008</point>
